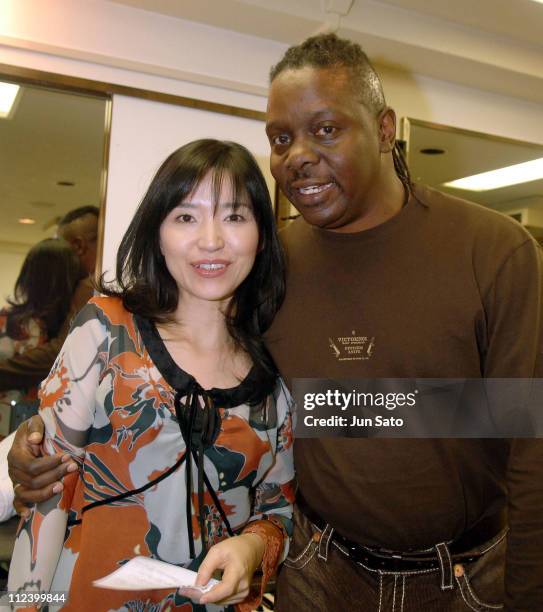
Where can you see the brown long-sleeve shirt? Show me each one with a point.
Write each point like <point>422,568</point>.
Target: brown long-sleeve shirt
<point>445,289</point>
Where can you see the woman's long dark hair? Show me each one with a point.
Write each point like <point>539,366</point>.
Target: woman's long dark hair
<point>144,283</point>
<point>45,286</point>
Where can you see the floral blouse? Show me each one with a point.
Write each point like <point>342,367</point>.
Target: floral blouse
<point>116,401</point>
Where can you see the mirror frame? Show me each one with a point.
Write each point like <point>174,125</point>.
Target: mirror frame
<point>407,122</point>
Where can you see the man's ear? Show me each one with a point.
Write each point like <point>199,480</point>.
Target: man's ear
<point>78,245</point>
<point>387,130</point>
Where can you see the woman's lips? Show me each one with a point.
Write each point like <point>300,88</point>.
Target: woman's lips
<point>210,269</point>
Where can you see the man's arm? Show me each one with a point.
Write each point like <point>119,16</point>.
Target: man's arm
<point>30,368</point>
<point>514,309</point>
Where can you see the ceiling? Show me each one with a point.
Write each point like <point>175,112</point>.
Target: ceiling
<point>488,44</point>
<point>292,20</point>
<point>52,136</point>
<point>519,20</point>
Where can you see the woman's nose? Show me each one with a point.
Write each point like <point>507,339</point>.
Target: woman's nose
<point>211,235</point>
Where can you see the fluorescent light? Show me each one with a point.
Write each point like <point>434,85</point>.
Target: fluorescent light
<point>26,221</point>
<point>502,177</point>
<point>8,94</point>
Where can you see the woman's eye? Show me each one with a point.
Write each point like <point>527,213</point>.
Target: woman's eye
<point>185,218</point>
<point>235,218</point>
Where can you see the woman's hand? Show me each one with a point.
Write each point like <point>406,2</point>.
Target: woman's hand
<point>238,557</point>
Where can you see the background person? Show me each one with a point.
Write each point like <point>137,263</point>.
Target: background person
<point>166,396</point>
<point>41,300</point>
<point>79,228</point>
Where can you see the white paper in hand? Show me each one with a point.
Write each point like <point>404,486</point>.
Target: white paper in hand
<point>143,573</point>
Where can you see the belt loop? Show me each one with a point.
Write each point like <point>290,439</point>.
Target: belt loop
<point>445,563</point>
<point>324,542</point>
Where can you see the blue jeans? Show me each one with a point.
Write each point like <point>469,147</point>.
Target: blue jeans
<point>318,576</point>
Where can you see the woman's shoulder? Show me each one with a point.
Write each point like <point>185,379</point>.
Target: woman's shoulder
<point>112,317</point>
<point>109,310</point>
<point>109,305</point>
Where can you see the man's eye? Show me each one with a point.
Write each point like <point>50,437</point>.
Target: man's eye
<point>326,130</point>
<point>280,140</point>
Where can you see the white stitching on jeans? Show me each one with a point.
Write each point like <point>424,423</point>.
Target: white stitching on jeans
<point>451,586</point>
<point>380,591</point>
<point>477,600</point>
<point>482,552</point>
<point>295,560</point>
<point>464,596</point>
<point>326,537</point>
<point>438,550</point>
<point>394,594</point>
<point>299,567</point>
<point>403,593</point>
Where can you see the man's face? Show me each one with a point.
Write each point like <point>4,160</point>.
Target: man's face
<point>325,146</point>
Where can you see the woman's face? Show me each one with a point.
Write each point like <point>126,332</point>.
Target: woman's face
<point>210,247</point>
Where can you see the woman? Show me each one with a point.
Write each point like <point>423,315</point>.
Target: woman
<point>167,397</point>
<point>41,301</point>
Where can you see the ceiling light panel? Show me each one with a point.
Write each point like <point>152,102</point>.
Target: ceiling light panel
<point>502,177</point>
<point>8,95</point>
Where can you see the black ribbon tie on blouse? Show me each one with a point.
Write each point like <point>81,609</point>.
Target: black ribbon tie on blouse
<point>199,420</point>
<point>200,424</point>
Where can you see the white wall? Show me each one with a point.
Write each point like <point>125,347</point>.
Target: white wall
<point>143,134</point>
<point>421,97</point>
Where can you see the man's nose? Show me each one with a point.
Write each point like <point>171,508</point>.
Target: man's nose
<point>210,237</point>
<point>300,154</point>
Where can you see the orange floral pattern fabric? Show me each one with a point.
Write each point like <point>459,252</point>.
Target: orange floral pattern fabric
<point>107,404</point>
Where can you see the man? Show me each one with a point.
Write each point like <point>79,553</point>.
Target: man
<point>79,227</point>
<point>432,287</point>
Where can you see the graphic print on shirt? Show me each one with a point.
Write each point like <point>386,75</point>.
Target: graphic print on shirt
<point>352,348</point>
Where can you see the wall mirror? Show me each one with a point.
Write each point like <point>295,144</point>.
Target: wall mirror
<point>438,155</point>
<point>85,127</point>
<point>52,159</point>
